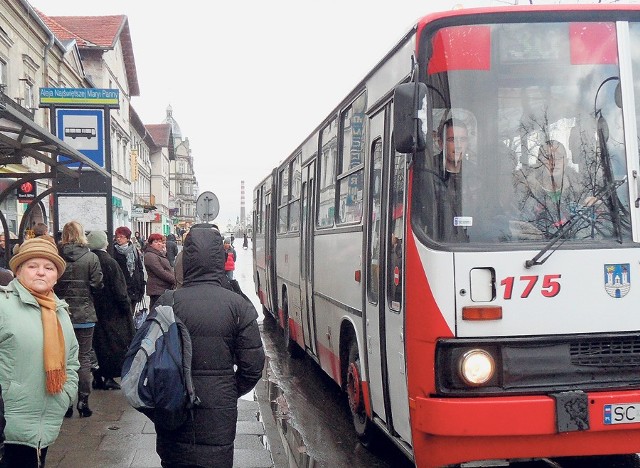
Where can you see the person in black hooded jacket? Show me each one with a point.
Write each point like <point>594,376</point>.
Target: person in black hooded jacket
<point>224,333</point>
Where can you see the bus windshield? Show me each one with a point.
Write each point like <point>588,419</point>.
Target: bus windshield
<point>525,131</point>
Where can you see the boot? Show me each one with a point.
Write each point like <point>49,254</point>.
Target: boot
<point>98,383</point>
<point>69,412</point>
<point>110,384</point>
<point>83,405</point>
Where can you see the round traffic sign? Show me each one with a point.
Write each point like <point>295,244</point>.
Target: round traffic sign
<point>207,206</point>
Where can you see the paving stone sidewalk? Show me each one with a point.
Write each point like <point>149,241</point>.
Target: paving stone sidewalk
<point>119,436</point>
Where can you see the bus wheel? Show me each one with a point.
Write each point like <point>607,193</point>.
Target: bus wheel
<point>292,347</point>
<point>268,316</point>
<point>361,422</point>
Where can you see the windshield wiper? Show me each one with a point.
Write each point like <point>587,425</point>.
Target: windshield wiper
<point>577,216</point>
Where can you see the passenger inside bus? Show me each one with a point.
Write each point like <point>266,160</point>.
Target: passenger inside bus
<point>550,190</point>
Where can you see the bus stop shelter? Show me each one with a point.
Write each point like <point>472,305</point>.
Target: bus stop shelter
<point>22,137</point>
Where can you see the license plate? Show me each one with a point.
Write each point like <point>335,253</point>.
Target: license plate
<point>622,414</point>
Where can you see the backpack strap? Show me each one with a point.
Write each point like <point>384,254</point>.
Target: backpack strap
<point>167,299</point>
<point>187,355</point>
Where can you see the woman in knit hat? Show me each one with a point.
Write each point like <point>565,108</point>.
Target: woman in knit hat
<point>114,330</point>
<point>38,354</point>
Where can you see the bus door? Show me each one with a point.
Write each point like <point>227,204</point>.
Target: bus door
<point>384,321</point>
<point>306,257</point>
<point>374,340</point>
<point>394,289</point>
<point>269,257</point>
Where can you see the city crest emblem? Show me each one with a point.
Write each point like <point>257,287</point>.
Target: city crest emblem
<point>617,281</point>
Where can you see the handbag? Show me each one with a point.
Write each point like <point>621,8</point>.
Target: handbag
<point>140,313</point>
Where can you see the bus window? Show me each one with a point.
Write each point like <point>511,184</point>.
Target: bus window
<point>351,176</point>
<point>634,31</point>
<point>396,230</point>
<point>375,227</point>
<point>327,183</point>
<point>296,181</point>
<point>524,95</point>
<point>283,209</point>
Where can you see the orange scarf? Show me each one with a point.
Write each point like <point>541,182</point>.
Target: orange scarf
<point>54,349</point>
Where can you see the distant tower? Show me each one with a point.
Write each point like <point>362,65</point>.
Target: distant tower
<point>175,128</point>
<point>242,215</point>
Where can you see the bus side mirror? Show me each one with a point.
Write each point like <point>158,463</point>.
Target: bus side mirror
<point>408,99</point>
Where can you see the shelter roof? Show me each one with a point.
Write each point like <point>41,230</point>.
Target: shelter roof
<point>21,137</point>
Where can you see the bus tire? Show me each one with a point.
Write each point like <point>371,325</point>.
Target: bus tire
<point>361,423</point>
<point>292,347</point>
<point>268,316</point>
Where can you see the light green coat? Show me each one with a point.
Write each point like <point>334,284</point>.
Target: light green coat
<point>34,417</point>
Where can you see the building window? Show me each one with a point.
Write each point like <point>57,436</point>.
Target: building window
<point>3,76</point>
<point>29,100</point>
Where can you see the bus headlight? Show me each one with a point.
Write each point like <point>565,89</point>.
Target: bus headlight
<point>477,367</point>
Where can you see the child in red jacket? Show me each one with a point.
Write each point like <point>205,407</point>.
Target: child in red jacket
<point>230,262</point>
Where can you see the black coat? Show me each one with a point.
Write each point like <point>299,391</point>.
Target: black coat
<point>172,249</point>
<point>114,330</point>
<point>224,333</point>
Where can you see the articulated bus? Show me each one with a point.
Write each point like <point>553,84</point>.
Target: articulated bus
<point>456,243</point>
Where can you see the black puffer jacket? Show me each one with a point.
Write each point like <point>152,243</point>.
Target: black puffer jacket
<point>81,278</point>
<point>224,333</point>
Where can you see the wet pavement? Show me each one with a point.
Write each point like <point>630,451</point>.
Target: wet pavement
<point>117,435</point>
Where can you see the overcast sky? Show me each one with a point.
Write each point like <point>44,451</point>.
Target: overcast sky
<point>249,80</point>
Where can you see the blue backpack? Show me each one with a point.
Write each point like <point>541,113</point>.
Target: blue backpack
<point>156,374</point>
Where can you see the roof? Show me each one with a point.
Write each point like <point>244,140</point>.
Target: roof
<point>161,134</point>
<point>97,32</point>
<point>162,137</point>
<point>136,121</point>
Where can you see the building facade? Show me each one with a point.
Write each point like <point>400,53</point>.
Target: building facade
<point>40,51</point>
<point>31,57</point>
<point>182,180</point>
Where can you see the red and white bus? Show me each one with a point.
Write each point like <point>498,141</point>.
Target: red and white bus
<point>487,311</point>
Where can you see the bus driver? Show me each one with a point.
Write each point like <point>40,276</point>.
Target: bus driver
<point>453,141</point>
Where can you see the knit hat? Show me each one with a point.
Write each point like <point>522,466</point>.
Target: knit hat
<point>97,240</point>
<point>37,248</point>
<point>47,237</point>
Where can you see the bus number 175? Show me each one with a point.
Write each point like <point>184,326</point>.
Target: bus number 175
<point>550,286</point>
